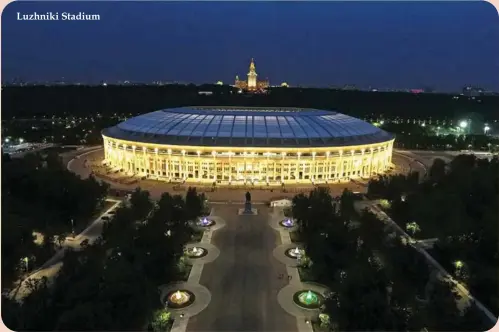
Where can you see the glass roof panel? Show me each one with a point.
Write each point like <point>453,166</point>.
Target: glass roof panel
<point>311,132</point>
<point>297,129</point>
<point>239,129</point>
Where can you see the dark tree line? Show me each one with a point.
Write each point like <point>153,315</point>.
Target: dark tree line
<point>40,195</point>
<point>458,204</point>
<point>111,285</point>
<point>377,282</point>
<point>83,100</point>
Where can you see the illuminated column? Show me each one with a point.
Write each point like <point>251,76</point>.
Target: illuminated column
<point>168,163</point>
<point>124,163</point>
<point>144,163</point>
<point>244,170</point>
<point>341,165</point>
<point>156,161</point>
<point>371,162</point>
<point>380,160</point>
<point>230,166</point>
<point>298,166</point>
<point>252,170</point>
<point>391,150</point>
<point>283,154</point>
<point>352,162</point>
<point>362,166</point>
<point>122,156</point>
<point>327,167</point>
<point>223,168</point>
<point>182,166</point>
<point>134,162</point>
<point>199,165</point>
<point>214,154</point>
<point>314,167</point>
<point>237,170</point>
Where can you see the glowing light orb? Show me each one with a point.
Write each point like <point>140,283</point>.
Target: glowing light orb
<point>179,297</point>
<point>205,222</point>
<point>288,223</point>
<point>295,252</point>
<point>196,252</point>
<point>308,299</point>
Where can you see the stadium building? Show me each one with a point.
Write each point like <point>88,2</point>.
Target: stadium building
<point>231,145</point>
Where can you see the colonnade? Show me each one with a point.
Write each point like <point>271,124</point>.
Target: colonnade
<point>245,164</point>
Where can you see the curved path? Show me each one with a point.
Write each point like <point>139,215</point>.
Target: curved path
<point>244,280</point>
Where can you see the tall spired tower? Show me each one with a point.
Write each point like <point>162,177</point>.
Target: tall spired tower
<point>252,76</point>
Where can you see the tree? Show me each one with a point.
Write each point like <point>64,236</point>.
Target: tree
<point>193,204</point>
<point>361,302</point>
<point>347,200</point>
<point>441,312</point>
<point>371,230</point>
<point>161,320</point>
<point>141,203</point>
<point>437,170</point>
<point>300,206</point>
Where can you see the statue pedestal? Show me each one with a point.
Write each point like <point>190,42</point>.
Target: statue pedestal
<point>248,210</point>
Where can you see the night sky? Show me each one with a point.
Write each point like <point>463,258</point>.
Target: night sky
<point>386,45</point>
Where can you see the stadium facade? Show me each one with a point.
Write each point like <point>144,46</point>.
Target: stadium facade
<point>231,145</point>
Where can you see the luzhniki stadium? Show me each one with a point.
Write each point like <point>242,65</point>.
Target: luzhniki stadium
<point>241,145</point>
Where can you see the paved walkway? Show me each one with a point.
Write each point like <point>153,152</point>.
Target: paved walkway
<point>285,295</point>
<point>244,279</point>
<point>50,268</point>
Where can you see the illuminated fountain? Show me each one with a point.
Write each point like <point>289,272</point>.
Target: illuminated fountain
<point>179,299</point>
<point>295,253</point>
<point>205,222</point>
<point>287,223</point>
<point>196,252</point>
<point>308,299</point>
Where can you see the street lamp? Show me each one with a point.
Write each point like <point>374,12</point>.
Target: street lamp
<point>72,227</point>
<point>26,261</point>
<point>21,140</point>
<point>463,124</point>
<point>458,264</point>
<point>486,129</point>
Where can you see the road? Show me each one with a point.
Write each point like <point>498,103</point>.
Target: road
<point>243,280</point>
<point>50,268</point>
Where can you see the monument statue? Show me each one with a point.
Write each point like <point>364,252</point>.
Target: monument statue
<point>247,205</point>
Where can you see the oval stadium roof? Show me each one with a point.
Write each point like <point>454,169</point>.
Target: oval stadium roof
<point>253,127</point>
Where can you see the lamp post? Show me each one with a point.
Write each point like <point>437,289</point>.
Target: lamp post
<point>26,261</point>
<point>486,128</point>
<point>465,124</point>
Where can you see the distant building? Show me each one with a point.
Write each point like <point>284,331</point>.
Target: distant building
<point>252,84</point>
<point>471,91</point>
